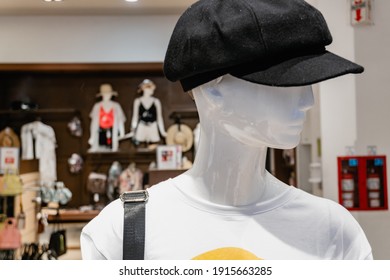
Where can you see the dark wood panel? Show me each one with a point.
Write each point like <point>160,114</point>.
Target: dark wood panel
<point>152,67</point>
<point>63,91</point>
<point>284,170</point>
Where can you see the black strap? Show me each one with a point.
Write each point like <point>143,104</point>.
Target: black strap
<point>134,224</point>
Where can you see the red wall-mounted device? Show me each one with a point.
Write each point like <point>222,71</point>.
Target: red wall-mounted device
<point>362,182</point>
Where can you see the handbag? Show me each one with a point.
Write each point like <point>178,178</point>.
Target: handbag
<point>10,184</point>
<point>10,237</point>
<point>57,242</point>
<point>97,183</point>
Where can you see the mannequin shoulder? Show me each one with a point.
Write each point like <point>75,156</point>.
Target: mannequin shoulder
<point>162,189</point>
<point>102,236</point>
<point>137,101</point>
<point>112,214</point>
<point>322,207</point>
<point>156,101</point>
<point>96,106</point>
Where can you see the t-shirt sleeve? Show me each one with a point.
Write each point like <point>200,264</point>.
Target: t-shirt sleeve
<point>358,246</point>
<point>102,237</point>
<point>353,241</point>
<point>88,248</point>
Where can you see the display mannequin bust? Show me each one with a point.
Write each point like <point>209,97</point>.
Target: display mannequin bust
<point>107,122</point>
<point>249,65</point>
<point>147,122</point>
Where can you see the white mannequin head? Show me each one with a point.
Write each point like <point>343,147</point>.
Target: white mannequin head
<point>147,88</point>
<point>106,96</point>
<point>254,114</point>
<point>106,92</point>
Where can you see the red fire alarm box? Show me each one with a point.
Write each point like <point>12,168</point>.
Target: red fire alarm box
<point>362,182</point>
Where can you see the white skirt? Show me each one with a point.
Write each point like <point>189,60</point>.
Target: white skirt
<point>147,132</point>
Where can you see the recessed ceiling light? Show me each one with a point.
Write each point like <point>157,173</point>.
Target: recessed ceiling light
<point>131,0</point>
<point>53,0</point>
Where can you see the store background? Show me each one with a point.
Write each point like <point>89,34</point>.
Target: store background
<point>350,111</point>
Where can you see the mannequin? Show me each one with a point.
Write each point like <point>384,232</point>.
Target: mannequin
<point>107,122</point>
<point>228,182</point>
<point>249,65</point>
<point>147,121</point>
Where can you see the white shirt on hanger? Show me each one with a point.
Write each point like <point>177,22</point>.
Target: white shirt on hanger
<point>43,148</point>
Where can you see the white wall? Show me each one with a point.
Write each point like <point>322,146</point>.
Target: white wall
<point>338,102</point>
<point>35,39</point>
<point>354,109</point>
<point>372,45</point>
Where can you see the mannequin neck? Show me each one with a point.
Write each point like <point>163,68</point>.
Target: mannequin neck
<point>229,172</point>
<point>107,103</point>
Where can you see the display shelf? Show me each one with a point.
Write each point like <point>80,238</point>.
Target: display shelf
<point>158,175</point>
<point>72,216</point>
<point>185,114</point>
<point>110,156</point>
<point>101,162</point>
<point>60,113</point>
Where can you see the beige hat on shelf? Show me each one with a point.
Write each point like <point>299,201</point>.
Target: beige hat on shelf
<point>180,134</point>
<point>8,138</point>
<point>106,88</point>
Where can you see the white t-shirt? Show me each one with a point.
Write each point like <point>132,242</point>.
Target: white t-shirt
<point>293,225</point>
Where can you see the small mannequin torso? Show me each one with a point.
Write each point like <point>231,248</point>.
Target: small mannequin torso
<point>147,101</point>
<point>147,122</point>
<point>106,115</point>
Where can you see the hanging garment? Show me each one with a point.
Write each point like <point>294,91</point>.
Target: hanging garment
<point>39,142</point>
<point>113,180</point>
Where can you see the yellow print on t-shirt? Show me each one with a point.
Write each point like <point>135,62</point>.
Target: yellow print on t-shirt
<point>227,253</point>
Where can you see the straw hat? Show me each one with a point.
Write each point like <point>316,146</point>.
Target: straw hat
<point>106,88</point>
<point>8,138</point>
<point>180,134</point>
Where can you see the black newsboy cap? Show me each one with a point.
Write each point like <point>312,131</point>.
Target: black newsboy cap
<point>270,42</point>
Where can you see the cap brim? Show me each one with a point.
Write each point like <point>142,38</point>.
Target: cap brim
<point>299,71</point>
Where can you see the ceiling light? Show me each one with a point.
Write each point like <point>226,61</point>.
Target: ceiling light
<point>131,0</point>
<point>53,0</point>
